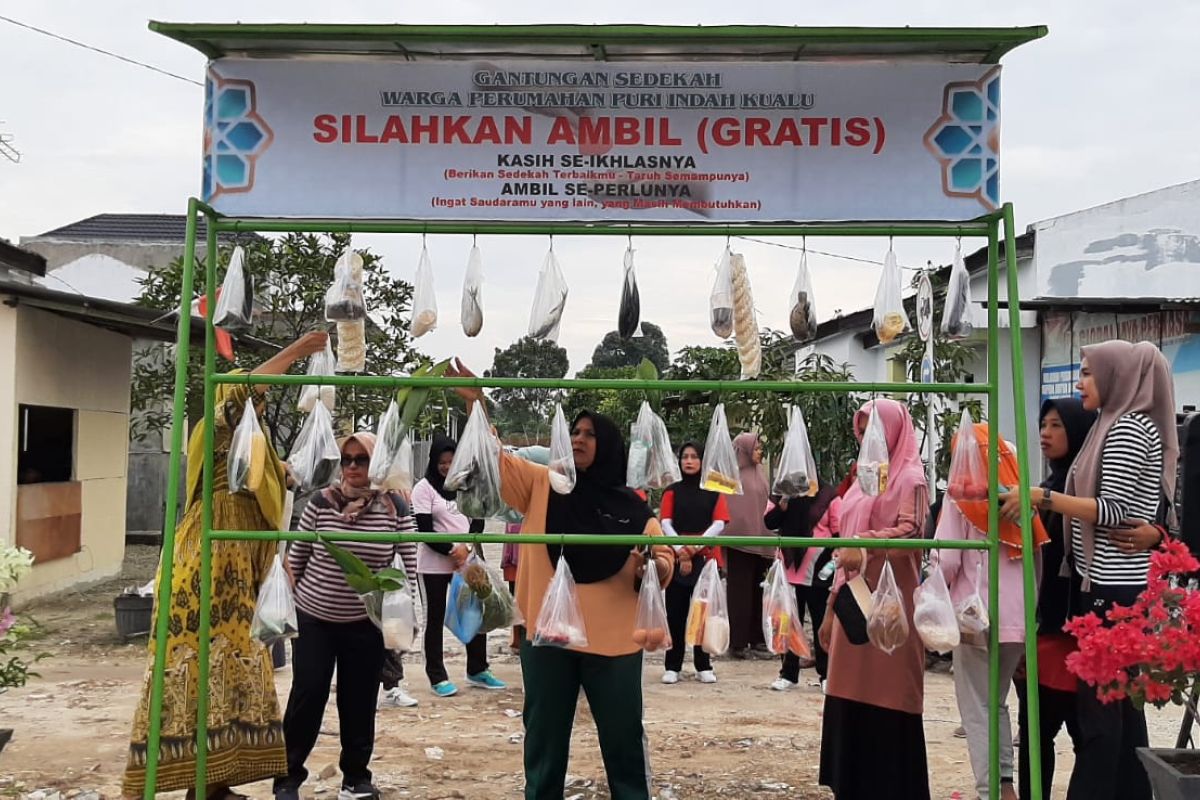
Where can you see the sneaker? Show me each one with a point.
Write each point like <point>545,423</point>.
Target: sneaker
<point>783,684</point>
<point>823,686</point>
<point>486,680</point>
<point>364,790</point>
<point>707,676</point>
<point>398,698</point>
<point>445,689</point>
<point>287,793</point>
<point>670,677</point>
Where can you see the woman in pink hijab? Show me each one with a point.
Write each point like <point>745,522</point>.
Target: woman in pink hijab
<point>873,737</point>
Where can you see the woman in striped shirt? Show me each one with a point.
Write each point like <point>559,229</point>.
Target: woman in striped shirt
<point>1115,488</point>
<point>334,628</point>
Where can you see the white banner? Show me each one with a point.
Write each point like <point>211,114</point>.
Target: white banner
<point>545,141</point>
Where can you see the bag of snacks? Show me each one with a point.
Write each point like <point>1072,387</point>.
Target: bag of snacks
<point>560,622</point>
<point>352,346</point>
<point>890,319</point>
<point>275,611</point>
<point>475,471</point>
<point>652,463</point>
<point>887,627</point>
<point>968,480</point>
<point>235,303</point>
<point>344,300</point>
<point>719,471</point>
<point>933,614</point>
<point>783,629</point>
<point>631,305</point>
<point>562,457</point>
<point>472,294</point>
<point>322,365</point>
<point>802,317</point>
<point>720,301</point>
<point>797,472</point>
<point>958,311</point>
<point>708,616</point>
<point>315,455</point>
<point>972,612</point>
<point>745,321</point>
<point>549,300</point>
<point>247,452</point>
<point>873,457</point>
<point>424,308</point>
<point>391,464</point>
<point>650,629</point>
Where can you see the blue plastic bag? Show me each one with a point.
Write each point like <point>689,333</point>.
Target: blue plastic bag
<point>464,611</point>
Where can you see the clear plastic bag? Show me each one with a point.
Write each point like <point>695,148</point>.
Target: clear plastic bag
<point>560,622</point>
<point>650,629</point>
<point>783,629</point>
<point>498,608</point>
<point>549,300</point>
<point>708,616</point>
<point>475,471</point>
<point>247,452</point>
<point>352,346</point>
<point>968,479</point>
<point>933,614</point>
<point>719,472</point>
<point>315,455</point>
<point>320,364</point>
<point>873,457</point>
<point>235,305</point>
<point>797,472</point>
<point>562,458</point>
<point>745,321</point>
<point>890,320</point>
<point>887,625</point>
<point>631,304</point>
<point>424,302</point>
<point>720,301</point>
<point>651,463</point>
<point>398,621</point>
<point>957,314</point>
<point>464,610</point>
<point>391,464</point>
<point>275,611</point>
<point>972,611</point>
<point>802,314</point>
<point>472,294</point>
<point>344,300</point>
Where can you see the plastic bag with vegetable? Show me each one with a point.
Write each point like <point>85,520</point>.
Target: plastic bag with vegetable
<point>797,472</point>
<point>498,609</point>
<point>315,455</point>
<point>873,457</point>
<point>321,364</point>
<point>933,614</point>
<point>560,622</point>
<point>475,471</point>
<point>472,294</point>
<point>802,316</point>
<point>562,457</point>
<point>968,480</point>
<point>549,300</point>
<point>708,616</point>
<point>391,464</point>
<point>890,319</point>
<point>275,611</point>
<point>887,625</point>
<point>783,629</point>
<point>719,470</point>
<point>235,304</point>
<point>344,300</point>
<point>745,320</point>
<point>651,463</point>
<point>650,629</point>
<point>631,304</point>
<point>958,311</point>
<point>720,300</point>
<point>247,452</point>
<point>424,308</point>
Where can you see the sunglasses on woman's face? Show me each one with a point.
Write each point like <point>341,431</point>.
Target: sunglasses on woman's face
<point>356,461</point>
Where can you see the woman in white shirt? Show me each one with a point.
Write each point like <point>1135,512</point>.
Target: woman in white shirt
<point>436,511</point>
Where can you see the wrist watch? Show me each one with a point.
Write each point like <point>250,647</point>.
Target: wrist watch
<point>1044,505</point>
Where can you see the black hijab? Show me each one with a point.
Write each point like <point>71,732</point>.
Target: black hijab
<point>1077,421</point>
<point>441,444</point>
<point>599,503</point>
<point>693,508</point>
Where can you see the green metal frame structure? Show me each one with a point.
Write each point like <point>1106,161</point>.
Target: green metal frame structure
<point>980,45</point>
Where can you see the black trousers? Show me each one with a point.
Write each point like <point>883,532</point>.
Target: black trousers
<point>679,600</point>
<point>435,588</point>
<point>814,599</point>
<point>743,583</point>
<point>356,650</point>
<point>1055,709</point>
<point>1106,762</point>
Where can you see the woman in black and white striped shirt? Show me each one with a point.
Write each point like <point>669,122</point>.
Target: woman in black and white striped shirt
<point>334,628</point>
<point>1114,490</point>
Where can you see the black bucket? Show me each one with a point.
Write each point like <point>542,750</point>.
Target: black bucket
<point>134,614</point>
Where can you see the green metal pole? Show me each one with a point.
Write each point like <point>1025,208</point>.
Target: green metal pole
<point>1032,705</point>
<point>993,518</point>
<point>206,517</point>
<point>166,559</point>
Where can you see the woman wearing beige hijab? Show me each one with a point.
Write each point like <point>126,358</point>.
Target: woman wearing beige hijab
<point>746,567</point>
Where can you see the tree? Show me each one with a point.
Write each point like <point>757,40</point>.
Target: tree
<point>620,405</point>
<point>291,275</point>
<point>527,412</point>
<point>613,351</point>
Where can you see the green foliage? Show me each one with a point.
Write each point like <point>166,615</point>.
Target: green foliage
<point>15,670</point>
<point>613,351</point>
<point>527,413</point>
<point>359,575</point>
<point>291,275</point>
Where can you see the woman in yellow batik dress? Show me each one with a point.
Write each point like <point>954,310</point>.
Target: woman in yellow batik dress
<point>245,732</point>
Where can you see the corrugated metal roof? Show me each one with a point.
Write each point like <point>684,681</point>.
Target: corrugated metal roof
<point>147,228</point>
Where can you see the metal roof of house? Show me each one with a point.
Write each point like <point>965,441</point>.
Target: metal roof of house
<point>623,43</point>
<point>143,228</point>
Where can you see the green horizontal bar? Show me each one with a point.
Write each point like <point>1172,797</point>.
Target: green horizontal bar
<point>629,384</point>
<point>600,539</point>
<point>976,227</point>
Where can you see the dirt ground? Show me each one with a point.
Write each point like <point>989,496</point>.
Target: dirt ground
<point>736,738</point>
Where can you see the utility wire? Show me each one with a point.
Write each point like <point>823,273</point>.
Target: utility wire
<point>825,253</point>
<point>102,51</point>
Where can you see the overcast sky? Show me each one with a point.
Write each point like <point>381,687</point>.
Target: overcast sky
<point>1102,108</point>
